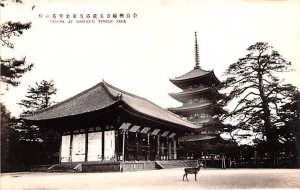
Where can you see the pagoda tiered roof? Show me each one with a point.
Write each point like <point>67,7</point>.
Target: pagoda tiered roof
<point>199,89</point>
<point>189,107</point>
<point>190,92</point>
<point>196,74</point>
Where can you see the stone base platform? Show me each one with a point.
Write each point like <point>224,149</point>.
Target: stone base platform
<point>113,166</point>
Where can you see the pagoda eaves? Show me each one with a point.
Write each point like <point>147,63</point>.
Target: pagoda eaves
<point>183,95</point>
<point>195,75</point>
<point>189,107</point>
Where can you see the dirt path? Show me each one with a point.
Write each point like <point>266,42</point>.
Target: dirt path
<point>155,179</point>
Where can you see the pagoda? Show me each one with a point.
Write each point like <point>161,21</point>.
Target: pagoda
<point>199,98</point>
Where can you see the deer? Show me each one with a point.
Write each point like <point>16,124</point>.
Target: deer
<point>194,170</point>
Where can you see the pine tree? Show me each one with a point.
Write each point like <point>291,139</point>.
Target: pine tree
<point>41,143</point>
<point>12,69</point>
<point>5,137</point>
<point>253,83</point>
<point>38,97</point>
<point>289,130</point>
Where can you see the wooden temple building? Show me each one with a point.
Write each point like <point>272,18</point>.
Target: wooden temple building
<point>107,124</point>
<point>107,129</point>
<point>199,98</point>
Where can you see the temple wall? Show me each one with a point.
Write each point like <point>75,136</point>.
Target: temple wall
<point>75,145</point>
<point>107,145</point>
<point>65,148</point>
<point>95,146</point>
<point>78,148</point>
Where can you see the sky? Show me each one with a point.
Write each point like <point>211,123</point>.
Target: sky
<point>141,55</point>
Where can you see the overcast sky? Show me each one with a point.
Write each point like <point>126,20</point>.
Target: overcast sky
<point>140,56</point>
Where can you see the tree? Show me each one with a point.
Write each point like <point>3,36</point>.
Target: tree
<point>14,153</point>
<point>5,137</point>
<point>38,97</point>
<point>2,4</point>
<point>12,69</point>
<point>253,83</point>
<point>290,133</point>
<point>40,144</point>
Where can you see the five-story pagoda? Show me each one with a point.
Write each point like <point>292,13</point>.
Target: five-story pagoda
<point>199,97</point>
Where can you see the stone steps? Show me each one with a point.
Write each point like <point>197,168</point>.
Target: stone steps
<point>64,167</point>
<point>170,164</point>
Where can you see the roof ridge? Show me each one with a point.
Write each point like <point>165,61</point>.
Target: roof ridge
<point>166,110</point>
<point>104,84</point>
<point>65,101</point>
<point>122,91</point>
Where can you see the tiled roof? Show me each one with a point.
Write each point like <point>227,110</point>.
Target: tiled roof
<point>187,107</point>
<point>147,107</point>
<point>195,73</point>
<point>200,137</point>
<point>93,99</point>
<point>191,91</point>
<point>101,96</point>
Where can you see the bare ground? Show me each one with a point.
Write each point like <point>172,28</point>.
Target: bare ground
<point>155,179</point>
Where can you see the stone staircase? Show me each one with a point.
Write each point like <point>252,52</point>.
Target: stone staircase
<point>66,167</point>
<point>164,164</point>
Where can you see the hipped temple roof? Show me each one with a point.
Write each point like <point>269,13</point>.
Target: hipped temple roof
<point>195,73</point>
<point>102,96</point>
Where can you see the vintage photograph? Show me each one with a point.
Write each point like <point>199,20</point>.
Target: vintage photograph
<point>155,94</point>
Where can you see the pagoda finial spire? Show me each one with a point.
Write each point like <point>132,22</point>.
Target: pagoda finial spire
<point>196,53</point>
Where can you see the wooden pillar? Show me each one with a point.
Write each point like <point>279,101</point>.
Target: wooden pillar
<point>123,150</point>
<point>205,159</point>
<point>171,149</point>
<point>167,144</point>
<point>175,149</point>
<point>60,134</point>
<point>148,146</point>
<point>86,145</point>
<point>123,145</point>
<point>117,145</point>
<point>103,144</point>
<point>158,147</point>
<point>126,145</point>
<point>136,147</point>
<point>71,147</point>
